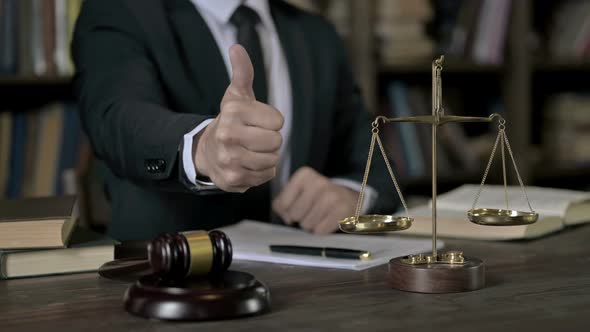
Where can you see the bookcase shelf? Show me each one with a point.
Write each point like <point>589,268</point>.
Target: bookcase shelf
<point>26,81</point>
<point>574,177</point>
<point>560,67</point>
<point>547,170</point>
<point>452,66</point>
<point>21,93</point>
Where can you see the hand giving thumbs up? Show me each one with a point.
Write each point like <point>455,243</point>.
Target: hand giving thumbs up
<point>239,149</point>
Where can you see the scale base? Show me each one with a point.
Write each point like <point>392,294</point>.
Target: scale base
<point>436,277</point>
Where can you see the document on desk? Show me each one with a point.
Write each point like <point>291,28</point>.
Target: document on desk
<point>251,241</point>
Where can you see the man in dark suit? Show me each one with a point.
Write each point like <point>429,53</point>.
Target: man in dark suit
<point>186,147</point>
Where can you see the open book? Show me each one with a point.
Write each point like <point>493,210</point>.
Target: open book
<point>557,208</point>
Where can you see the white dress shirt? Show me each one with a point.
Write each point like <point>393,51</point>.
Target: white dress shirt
<point>217,16</point>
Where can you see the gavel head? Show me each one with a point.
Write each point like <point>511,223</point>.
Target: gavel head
<point>193,253</point>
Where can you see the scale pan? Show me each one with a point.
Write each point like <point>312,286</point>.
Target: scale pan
<point>375,223</point>
<point>500,217</point>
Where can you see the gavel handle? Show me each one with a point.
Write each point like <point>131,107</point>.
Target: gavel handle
<point>127,270</point>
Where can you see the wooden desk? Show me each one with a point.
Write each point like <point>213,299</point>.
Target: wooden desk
<point>541,285</point>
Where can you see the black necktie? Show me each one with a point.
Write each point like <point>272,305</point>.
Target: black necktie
<point>255,203</point>
<point>245,20</point>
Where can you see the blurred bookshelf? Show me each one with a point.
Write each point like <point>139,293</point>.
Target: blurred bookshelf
<point>541,54</point>
<point>528,77</point>
<point>43,150</point>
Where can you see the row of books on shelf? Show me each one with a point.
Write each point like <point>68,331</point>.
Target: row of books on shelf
<point>35,36</point>
<point>400,30</point>
<point>473,29</point>
<point>411,31</point>
<point>41,151</point>
<point>43,236</point>
<point>566,132</point>
<point>410,144</point>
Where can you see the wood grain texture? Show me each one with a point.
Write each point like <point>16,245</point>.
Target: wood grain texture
<point>541,285</point>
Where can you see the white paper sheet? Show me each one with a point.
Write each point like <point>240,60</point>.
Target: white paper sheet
<point>251,241</point>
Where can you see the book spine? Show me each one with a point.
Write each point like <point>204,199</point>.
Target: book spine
<point>8,37</point>
<point>445,22</point>
<point>25,38</point>
<point>30,152</point>
<point>3,274</point>
<point>50,131</point>
<point>68,155</point>
<point>408,131</point>
<point>5,144</point>
<point>19,134</point>
<point>488,15</point>
<point>393,144</point>
<point>48,35</point>
<point>37,45</point>
<point>61,38</point>
<point>472,17</point>
<point>73,10</point>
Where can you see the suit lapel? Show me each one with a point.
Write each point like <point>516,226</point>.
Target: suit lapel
<point>302,83</point>
<point>200,49</point>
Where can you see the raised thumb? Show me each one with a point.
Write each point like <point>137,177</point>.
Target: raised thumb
<point>242,72</point>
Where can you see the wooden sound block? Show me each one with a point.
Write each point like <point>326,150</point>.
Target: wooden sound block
<point>229,295</point>
<point>437,277</point>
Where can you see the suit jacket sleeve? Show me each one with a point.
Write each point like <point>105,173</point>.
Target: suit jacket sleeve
<point>122,102</point>
<point>349,147</point>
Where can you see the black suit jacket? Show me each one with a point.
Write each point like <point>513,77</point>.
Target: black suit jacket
<point>149,71</point>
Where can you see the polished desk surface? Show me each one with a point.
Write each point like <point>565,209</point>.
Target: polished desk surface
<point>540,285</point>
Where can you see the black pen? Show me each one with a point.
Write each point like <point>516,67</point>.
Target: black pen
<point>321,251</point>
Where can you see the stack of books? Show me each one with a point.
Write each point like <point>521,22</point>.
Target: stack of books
<point>401,31</point>
<point>41,236</point>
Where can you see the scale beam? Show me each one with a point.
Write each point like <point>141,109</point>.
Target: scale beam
<point>438,119</point>
<point>453,118</point>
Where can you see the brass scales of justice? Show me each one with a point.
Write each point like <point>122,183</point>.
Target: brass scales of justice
<point>450,271</point>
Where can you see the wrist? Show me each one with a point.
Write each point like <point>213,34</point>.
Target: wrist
<point>199,160</point>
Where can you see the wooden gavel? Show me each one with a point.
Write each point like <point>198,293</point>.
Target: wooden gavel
<point>193,253</point>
